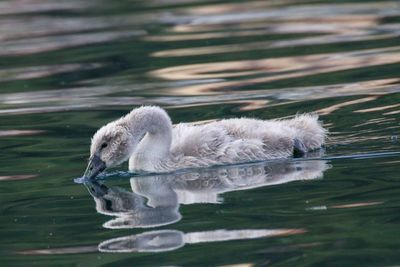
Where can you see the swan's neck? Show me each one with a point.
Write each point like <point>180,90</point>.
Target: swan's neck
<point>154,125</point>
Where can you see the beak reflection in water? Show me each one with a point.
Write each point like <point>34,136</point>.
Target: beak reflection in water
<point>95,166</point>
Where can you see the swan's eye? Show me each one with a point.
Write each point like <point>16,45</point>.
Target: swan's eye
<point>104,145</point>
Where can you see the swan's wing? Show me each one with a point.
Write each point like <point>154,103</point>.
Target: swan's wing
<point>246,128</point>
<point>236,140</point>
<point>305,129</point>
<point>198,140</point>
<point>216,142</point>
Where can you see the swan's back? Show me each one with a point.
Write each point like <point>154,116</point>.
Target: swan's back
<point>244,139</point>
<point>305,128</point>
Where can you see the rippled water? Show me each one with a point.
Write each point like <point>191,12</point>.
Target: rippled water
<point>68,67</point>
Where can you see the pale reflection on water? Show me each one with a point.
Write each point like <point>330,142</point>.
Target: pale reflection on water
<point>167,240</point>
<point>240,82</point>
<point>155,200</point>
<point>25,73</point>
<point>53,43</point>
<point>275,68</point>
<point>83,98</point>
<point>251,11</point>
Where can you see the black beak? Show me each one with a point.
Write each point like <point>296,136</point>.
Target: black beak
<point>95,166</point>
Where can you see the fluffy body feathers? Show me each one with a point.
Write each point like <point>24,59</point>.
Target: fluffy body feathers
<point>147,138</point>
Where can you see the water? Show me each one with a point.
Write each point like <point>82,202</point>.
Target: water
<point>68,67</point>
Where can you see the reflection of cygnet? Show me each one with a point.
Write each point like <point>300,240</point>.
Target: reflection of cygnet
<point>206,185</point>
<point>167,240</point>
<point>132,210</point>
<point>154,200</point>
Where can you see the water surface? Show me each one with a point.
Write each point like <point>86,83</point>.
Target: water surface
<point>68,67</point>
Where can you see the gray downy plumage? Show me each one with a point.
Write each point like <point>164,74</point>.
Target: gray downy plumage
<point>147,138</point>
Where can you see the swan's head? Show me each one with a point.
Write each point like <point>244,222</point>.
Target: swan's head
<point>111,145</point>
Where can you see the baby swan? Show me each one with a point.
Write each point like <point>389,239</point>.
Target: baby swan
<point>148,140</point>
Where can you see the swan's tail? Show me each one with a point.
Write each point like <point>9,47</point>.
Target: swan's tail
<point>309,130</point>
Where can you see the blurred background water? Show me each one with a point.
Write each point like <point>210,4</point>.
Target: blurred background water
<point>68,67</point>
